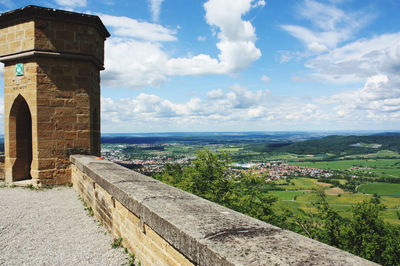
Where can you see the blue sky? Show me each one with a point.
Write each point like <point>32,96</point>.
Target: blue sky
<point>246,65</point>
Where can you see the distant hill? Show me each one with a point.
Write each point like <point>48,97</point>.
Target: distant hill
<point>192,138</point>
<point>336,145</point>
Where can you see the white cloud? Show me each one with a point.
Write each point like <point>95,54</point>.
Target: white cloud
<point>215,94</point>
<point>155,8</point>
<point>331,25</point>
<point>240,97</point>
<point>359,60</point>
<point>136,58</point>
<point>285,57</point>
<point>235,109</point>
<point>265,78</point>
<point>128,27</point>
<point>227,15</point>
<point>72,3</point>
<point>201,64</point>
<point>259,3</point>
<point>379,98</point>
<point>133,64</point>
<point>201,38</point>
<point>374,62</point>
<point>236,41</point>
<point>241,109</point>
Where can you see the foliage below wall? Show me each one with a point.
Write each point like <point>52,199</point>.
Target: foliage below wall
<point>364,234</point>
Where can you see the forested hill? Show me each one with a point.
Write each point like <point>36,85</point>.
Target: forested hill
<point>336,145</point>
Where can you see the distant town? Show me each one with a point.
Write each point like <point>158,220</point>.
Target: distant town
<point>149,163</point>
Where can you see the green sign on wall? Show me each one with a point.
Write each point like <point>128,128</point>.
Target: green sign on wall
<point>19,69</point>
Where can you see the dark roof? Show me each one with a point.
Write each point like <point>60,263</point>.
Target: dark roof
<point>32,11</point>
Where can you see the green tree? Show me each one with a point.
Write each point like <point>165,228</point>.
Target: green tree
<point>330,221</point>
<point>209,177</point>
<point>251,200</point>
<point>365,234</point>
<point>368,236</point>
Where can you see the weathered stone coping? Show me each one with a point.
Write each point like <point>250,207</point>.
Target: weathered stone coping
<point>204,232</point>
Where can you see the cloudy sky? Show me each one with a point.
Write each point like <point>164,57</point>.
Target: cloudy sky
<point>246,65</point>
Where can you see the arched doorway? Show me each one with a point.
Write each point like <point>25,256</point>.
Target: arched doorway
<point>20,139</point>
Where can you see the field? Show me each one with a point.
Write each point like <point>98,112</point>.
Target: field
<point>381,167</point>
<point>382,189</point>
<point>300,194</point>
<point>286,195</point>
<point>300,202</point>
<point>299,184</point>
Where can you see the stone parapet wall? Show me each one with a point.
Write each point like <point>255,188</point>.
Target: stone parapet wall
<point>166,226</point>
<point>137,236</point>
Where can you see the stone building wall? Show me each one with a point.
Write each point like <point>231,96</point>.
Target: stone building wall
<point>58,33</point>
<point>17,37</point>
<point>57,97</point>
<point>68,100</point>
<point>70,37</point>
<point>15,86</point>
<point>64,100</point>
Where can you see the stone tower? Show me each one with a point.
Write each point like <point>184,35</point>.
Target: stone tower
<point>52,61</point>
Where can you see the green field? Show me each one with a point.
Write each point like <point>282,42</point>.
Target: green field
<point>382,167</point>
<point>302,183</point>
<point>382,154</point>
<point>286,195</point>
<point>382,189</point>
<point>342,205</point>
<point>341,181</point>
<point>300,194</point>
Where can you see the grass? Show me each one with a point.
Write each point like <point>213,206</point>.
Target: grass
<point>382,189</point>
<point>333,165</point>
<point>342,205</point>
<point>381,167</point>
<point>302,183</point>
<point>341,181</point>
<point>131,259</point>
<point>391,217</point>
<point>286,195</point>
<point>117,243</point>
<point>382,154</point>
<point>348,199</point>
<point>87,208</point>
<point>390,202</point>
<point>89,211</point>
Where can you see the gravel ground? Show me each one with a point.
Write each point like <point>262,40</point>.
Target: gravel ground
<point>51,227</point>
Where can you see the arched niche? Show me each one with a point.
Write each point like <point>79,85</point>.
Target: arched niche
<point>20,139</point>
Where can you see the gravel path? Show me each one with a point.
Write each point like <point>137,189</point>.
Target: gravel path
<point>51,227</point>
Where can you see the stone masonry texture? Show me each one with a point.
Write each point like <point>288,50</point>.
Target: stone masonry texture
<point>62,54</point>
